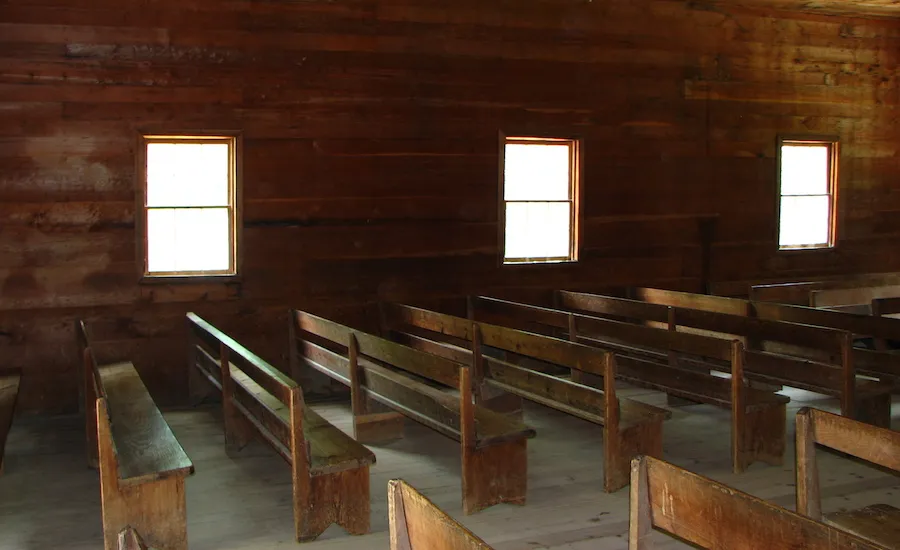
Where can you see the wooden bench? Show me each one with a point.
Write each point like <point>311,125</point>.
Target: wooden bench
<point>494,454</point>
<point>873,363</point>
<point>329,470</point>
<point>9,393</point>
<point>630,428</point>
<point>417,524</point>
<point>651,358</point>
<point>879,523</point>
<point>814,358</point>
<point>797,292</point>
<point>707,514</point>
<point>851,300</point>
<point>142,465</point>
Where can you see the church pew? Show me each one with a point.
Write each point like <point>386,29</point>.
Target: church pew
<point>851,300</point>
<point>630,428</point>
<point>9,393</point>
<point>879,523</point>
<point>417,524</point>
<point>142,465</point>
<point>329,470</point>
<point>645,358</point>
<point>708,514</point>
<point>873,363</point>
<point>494,452</point>
<point>797,292</point>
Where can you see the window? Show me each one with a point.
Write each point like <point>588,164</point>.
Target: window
<point>188,200</point>
<point>540,207</point>
<point>807,170</point>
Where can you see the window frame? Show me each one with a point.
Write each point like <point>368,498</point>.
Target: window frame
<point>235,141</point>
<point>576,174</point>
<point>834,151</point>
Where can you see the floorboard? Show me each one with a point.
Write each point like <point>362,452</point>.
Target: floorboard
<point>49,497</point>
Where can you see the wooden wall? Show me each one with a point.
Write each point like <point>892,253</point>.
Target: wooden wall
<point>371,153</point>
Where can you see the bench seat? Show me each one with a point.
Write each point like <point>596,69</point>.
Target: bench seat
<point>330,449</point>
<point>9,392</point>
<point>879,523</point>
<point>145,447</point>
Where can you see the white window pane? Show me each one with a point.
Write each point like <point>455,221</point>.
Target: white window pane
<point>804,170</point>
<point>160,240</point>
<point>804,221</point>
<point>195,239</point>
<point>536,172</point>
<point>187,174</point>
<point>538,230</point>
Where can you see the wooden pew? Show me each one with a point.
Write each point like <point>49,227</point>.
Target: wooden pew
<point>417,524</point>
<point>142,465</point>
<point>650,358</point>
<point>9,393</point>
<point>874,363</point>
<point>88,392</point>
<point>493,447</point>
<point>851,300</point>
<point>815,358</point>
<point>630,428</point>
<point>329,470</point>
<point>707,514</point>
<point>797,292</point>
<point>879,523</point>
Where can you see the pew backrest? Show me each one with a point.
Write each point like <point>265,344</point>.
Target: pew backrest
<point>417,524</point>
<point>858,296</point>
<point>708,514</point>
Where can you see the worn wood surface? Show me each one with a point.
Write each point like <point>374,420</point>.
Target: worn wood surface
<point>155,507</point>
<point>417,524</point>
<point>9,393</point>
<point>683,504</point>
<point>129,539</point>
<point>145,447</point>
<point>346,108</point>
<point>329,469</point>
<point>879,446</point>
<point>645,360</point>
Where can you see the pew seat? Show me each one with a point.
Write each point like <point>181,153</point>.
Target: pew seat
<point>9,392</point>
<point>329,469</point>
<point>879,523</point>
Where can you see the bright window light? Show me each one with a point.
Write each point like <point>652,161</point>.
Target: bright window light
<point>806,203</point>
<point>189,205</point>
<point>540,178</point>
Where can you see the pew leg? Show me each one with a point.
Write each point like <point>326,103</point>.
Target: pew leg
<point>763,436</point>
<point>875,410</point>
<point>620,446</point>
<point>238,431</point>
<point>377,425</point>
<point>199,388</point>
<point>494,474</point>
<point>341,497</point>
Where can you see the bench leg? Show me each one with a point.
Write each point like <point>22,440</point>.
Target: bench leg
<point>763,437</point>
<point>341,497</point>
<point>154,509</point>
<point>875,410</point>
<point>238,430</point>
<point>494,474</point>
<point>199,388</point>
<point>377,425</point>
<point>502,402</point>
<point>623,445</point>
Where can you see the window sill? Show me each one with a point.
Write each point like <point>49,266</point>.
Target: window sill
<point>539,263</point>
<point>810,250</point>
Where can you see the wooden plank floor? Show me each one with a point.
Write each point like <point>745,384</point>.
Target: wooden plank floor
<point>48,498</point>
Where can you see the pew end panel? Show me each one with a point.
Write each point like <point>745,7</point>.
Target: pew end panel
<point>417,524</point>
<point>878,523</point>
<point>9,393</point>
<point>707,514</point>
<point>142,465</point>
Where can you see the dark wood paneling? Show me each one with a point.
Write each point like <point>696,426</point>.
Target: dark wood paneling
<point>371,133</point>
